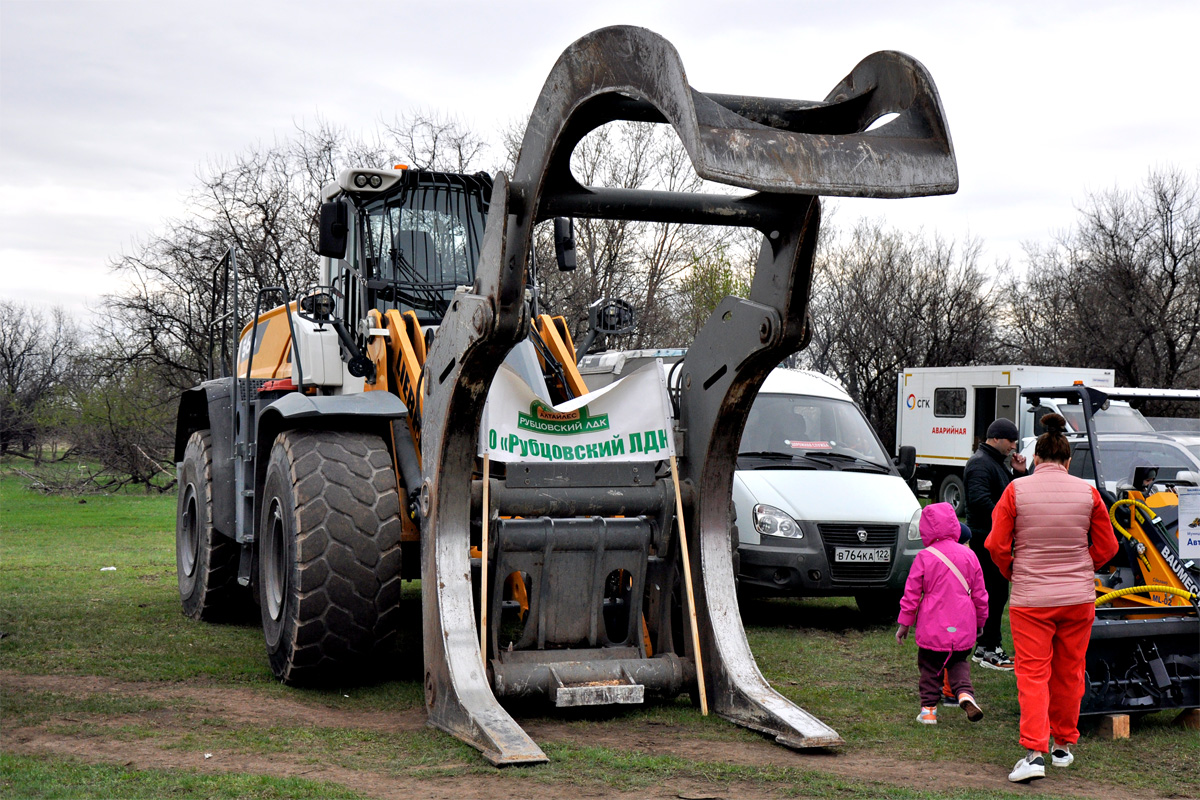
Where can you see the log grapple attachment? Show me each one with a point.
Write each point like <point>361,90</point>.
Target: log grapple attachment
<point>593,545</point>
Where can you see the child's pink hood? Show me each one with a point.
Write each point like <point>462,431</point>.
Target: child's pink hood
<point>938,521</point>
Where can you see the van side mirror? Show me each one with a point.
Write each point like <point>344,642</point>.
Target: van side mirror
<point>333,228</point>
<point>906,462</point>
<point>564,244</point>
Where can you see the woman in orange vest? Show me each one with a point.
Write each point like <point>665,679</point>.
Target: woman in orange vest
<point>1050,533</point>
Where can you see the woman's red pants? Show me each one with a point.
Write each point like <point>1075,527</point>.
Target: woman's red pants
<point>1051,644</point>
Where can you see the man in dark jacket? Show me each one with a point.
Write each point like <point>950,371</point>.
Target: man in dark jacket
<point>986,476</point>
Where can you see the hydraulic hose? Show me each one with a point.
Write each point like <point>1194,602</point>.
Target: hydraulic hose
<point>1185,594</point>
<point>1138,547</point>
<point>1129,501</point>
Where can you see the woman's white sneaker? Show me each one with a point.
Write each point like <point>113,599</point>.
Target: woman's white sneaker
<point>1028,768</point>
<point>1061,757</point>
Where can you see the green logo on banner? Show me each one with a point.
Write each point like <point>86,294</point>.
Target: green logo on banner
<point>543,419</point>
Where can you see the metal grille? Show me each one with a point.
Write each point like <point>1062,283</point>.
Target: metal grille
<point>846,535</point>
<point>255,385</point>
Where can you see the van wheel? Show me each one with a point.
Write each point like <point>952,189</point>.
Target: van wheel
<point>329,555</point>
<point>952,491</point>
<point>206,562</point>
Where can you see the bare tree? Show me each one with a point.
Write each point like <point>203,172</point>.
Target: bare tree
<point>429,140</point>
<point>263,201</point>
<point>1120,290</point>
<point>641,262</point>
<point>35,361</point>
<point>884,300</point>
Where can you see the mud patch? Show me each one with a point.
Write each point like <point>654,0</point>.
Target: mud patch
<point>105,739</point>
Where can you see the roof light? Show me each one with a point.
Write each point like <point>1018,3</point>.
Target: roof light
<point>400,166</point>
<point>360,180</point>
<point>376,181</point>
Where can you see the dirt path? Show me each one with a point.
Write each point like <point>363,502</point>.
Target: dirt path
<point>189,704</point>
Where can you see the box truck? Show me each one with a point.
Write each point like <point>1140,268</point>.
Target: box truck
<point>944,412</point>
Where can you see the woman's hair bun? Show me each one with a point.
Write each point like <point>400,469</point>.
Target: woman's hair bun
<point>1054,423</point>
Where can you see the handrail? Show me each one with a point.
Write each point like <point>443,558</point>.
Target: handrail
<point>229,263</point>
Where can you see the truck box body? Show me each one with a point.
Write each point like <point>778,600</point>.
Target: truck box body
<point>944,412</point>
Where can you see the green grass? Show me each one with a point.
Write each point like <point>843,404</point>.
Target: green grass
<point>864,685</point>
<point>74,616</point>
<point>24,776</point>
<point>62,615</point>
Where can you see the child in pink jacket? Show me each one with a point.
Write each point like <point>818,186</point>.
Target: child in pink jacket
<point>946,598</point>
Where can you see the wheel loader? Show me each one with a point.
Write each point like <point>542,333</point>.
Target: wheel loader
<point>336,453</point>
<point>1144,653</point>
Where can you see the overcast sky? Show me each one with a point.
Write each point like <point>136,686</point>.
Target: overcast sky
<point>109,109</point>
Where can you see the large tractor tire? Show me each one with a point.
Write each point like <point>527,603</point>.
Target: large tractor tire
<point>329,555</point>
<point>206,561</point>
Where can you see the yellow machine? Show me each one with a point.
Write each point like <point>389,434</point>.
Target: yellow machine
<point>1144,653</point>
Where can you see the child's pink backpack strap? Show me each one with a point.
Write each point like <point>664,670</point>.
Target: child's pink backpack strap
<point>954,569</point>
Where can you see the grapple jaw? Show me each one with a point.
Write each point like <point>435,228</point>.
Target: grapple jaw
<point>788,152</point>
<point>760,143</point>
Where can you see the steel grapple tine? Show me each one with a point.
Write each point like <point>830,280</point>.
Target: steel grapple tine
<point>470,343</point>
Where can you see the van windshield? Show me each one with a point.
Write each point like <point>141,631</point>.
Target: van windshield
<point>790,424</point>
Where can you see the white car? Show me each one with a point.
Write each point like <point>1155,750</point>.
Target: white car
<point>1189,439</point>
<point>821,510</point>
<point>1122,453</point>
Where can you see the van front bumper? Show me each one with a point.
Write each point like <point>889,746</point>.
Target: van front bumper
<point>802,567</point>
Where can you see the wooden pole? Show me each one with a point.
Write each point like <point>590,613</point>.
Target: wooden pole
<point>687,581</point>
<point>483,565</point>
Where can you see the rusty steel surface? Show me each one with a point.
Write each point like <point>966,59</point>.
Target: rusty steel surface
<point>788,151</point>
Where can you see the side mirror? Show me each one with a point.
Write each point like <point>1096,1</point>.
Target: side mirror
<point>564,244</point>
<point>907,462</point>
<point>334,226</point>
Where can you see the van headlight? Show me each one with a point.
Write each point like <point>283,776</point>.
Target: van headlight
<point>914,527</point>
<point>770,521</point>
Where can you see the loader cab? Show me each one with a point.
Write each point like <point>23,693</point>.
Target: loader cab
<point>411,238</point>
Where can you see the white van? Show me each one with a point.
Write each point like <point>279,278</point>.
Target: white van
<point>821,508</point>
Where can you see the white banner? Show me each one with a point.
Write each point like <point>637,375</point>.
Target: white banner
<point>1189,522</point>
<point>628,420</point>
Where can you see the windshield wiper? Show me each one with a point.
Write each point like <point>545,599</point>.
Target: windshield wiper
<point>777,459</point>
<point>820,455</point>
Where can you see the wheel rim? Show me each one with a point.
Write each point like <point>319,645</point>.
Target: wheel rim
<point>951,495</point>
<point>189,535</point>
<point>275,568</point>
